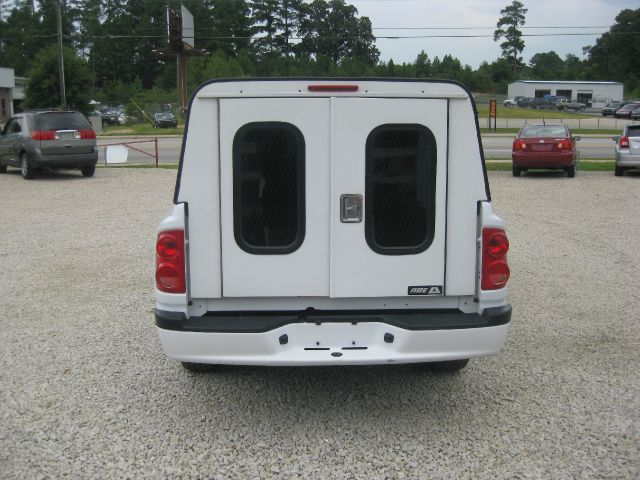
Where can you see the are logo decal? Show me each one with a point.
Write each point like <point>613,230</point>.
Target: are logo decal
<point>432,290</point>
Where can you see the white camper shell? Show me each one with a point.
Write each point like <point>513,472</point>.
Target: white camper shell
<point>330,222</point>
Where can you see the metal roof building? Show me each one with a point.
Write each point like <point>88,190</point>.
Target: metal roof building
<point>7,84</point>
<point>592,94</point>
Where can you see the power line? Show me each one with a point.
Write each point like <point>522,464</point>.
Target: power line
<point>489,28</point>
<point>555,27</point>
<point>378,37</point>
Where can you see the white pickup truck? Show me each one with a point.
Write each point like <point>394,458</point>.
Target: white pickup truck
<point>331,222</point>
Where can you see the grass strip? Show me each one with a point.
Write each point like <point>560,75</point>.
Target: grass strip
<point>585,165</point>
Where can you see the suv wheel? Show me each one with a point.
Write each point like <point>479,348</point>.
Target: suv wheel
<point>199,367</point>
<point>571,171</point>
<point>619,171</point>
<point>516,171</point>
<point>26,169</point>
<point>3,168</point>
<point>88,171</point>
<point>450,366</point>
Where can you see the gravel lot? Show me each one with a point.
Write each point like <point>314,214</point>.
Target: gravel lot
<point>85,391</point>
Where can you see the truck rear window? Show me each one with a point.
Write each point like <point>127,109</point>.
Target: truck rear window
<point>543,131</point>
<point>61,121</point>
<point>400,189</point>
<point>268,188</point>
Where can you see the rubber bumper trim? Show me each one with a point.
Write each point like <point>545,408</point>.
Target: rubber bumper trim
<point>259,322</point>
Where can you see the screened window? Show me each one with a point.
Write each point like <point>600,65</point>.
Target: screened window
<point>400,189</point>
<point>268,188</point>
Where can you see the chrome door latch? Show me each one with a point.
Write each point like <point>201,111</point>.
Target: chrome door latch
<point>351,208</point>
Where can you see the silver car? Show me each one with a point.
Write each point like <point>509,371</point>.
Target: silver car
<point>627,149</point>
<point>48,138</point>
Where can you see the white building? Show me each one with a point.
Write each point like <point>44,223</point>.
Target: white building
<point>7,84</point>
<point>592,94</point>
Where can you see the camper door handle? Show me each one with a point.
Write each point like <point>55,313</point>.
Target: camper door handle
<point>351,208</point>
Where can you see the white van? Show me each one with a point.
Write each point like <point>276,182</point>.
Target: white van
<point>331,222</point>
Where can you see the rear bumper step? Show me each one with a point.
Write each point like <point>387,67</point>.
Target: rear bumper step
<point>260,322</point>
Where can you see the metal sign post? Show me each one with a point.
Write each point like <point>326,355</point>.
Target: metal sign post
<point>493,108</point>
<point>181,38</point>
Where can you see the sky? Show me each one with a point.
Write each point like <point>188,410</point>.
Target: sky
<point>485,13</point>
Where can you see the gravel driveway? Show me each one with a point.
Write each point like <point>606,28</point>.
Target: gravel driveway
<point>85,391</point>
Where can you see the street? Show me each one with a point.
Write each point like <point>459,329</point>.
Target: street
<point>495,147</point>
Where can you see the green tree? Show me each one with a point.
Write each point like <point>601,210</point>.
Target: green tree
<point>511,17</point>
<point>423,65</point>
<point>217,65</point>
<point>573,68</point>
<point>43,87</point>
<point>288,22</point>
<point>265,17</point>
<point>230,21</point>
<point>21,37</point>
<point>546,66</point>
<point>615,54</point>
<point>497,74</point>
<point>332,29</point>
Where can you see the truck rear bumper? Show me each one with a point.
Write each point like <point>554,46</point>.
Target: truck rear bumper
<point>382,339</point>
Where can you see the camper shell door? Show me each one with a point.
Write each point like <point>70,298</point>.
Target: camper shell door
<point>333,197</point>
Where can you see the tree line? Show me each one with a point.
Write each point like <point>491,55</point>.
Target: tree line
<point>117,48</point>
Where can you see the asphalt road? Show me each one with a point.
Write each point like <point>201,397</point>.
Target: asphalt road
<point>498,147</point>
<point>85,391</point>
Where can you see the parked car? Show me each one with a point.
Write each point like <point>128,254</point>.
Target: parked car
<point>610,108</point>
<point>625,111</point>
<point>635,113</point>
<point>523,101</point>
<point>319,228</point>
<point>546,102</point>
<point>627,149</point>
<point>109,115</point>
<point>566,105</point>
<point>510,102</point>
<point>548,147</point>
<point>48,138</point>
<point>123,118</point>
<point>164,120</point>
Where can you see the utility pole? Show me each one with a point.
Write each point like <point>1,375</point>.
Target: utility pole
<point>63,97</point>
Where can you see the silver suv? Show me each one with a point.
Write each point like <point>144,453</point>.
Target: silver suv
<point>627,149</point>
<point>48,138</point>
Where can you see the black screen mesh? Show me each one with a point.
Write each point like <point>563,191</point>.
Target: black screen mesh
<point>268,173</point>
<point>400,189</point>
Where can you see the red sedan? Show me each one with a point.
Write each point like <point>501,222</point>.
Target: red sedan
<point>548,147</point>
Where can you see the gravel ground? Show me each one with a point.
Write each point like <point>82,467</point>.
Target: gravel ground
<point>85,391</point>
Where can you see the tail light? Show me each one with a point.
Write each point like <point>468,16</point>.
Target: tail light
<point>43,135</point>
<point>495,271</point>
<point>170,271</point>
<point>624,142</point>
<point>333,88</point>
<point>87,134</point>
<point>565,144</point>
<point>519,145</point>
